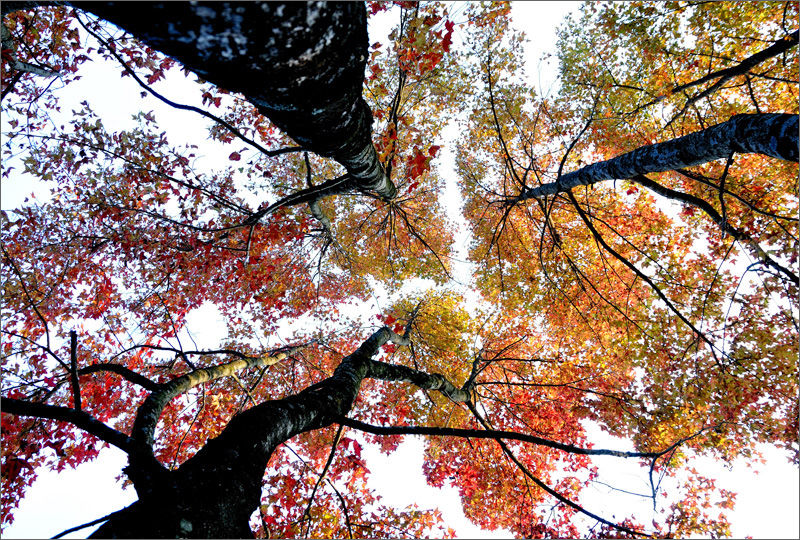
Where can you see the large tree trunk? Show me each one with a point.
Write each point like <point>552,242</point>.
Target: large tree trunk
<point>774,135</point>
<point>301,64</point>
<point>214,493</point>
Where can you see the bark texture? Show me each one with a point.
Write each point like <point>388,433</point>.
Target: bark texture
<point>426,381</point>
<point>774,135</point>
<point>213,494</point>
<point>301,64</point>
<point>149,412</point>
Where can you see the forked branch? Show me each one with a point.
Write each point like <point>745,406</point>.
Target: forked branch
<point>149,412</point>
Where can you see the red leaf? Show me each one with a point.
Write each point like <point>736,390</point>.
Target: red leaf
<point>448,37</point>
<point>375,7</point>
<point>234,156</point>
<point>155,76</point>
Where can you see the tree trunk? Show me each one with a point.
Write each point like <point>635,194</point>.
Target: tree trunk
<point>214,493</point>
<point>301,64</point>
<point>773,135</point>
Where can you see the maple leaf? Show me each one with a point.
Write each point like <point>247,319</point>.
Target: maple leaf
<point>448,36</point>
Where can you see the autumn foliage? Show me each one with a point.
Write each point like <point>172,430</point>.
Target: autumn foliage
<point>662,309</point>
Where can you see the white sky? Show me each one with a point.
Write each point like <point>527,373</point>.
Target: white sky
<point>767,502</point>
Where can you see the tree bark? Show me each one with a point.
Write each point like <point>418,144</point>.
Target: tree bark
<point>774,135</point>
<point>301,64</point>
<point>214,493</point>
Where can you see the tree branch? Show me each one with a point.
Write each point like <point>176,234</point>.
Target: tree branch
<point>149,412</point>
<point>80,419</point>
<point>774,135</point>
<point>507,451</point>
<point>90,523</point>
<point>492,434</point>
<point>601,241</point>
<point>724,75</point>
<point>781,45</point>
<point>73,369</point>
<point>18,273</point>
<point>753,247</point>
<point>334,444</point>
<point>335,186</point>
<point>122,371</point>
<point>426,381</point>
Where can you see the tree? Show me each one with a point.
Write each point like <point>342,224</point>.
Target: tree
<point>620,303</point>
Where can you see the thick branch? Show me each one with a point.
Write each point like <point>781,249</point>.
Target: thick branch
<point>774,135</point>
<point>426,381</point>
<point>225,476</point>
<point>149,412</point>
<point>24,67</point>
<point>73,369</point>
<point>80,419</point>
<point>214,493</point>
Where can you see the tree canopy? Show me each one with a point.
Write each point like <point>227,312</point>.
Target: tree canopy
<point>631,261</point>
